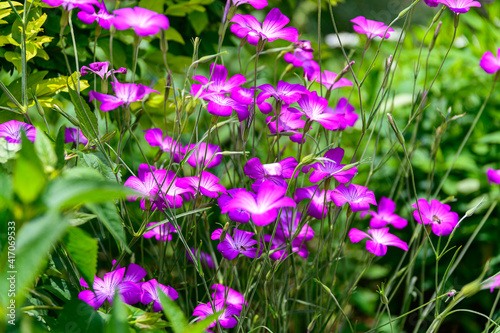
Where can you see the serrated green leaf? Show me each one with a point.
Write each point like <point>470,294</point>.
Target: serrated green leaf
<point>82,249</point>
<point>96,161</point>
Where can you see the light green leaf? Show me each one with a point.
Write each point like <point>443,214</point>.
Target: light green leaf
<point>174,35</point>
<point>45,150</point>
<point>82,249</point>
<point>174,314</point>
<point>29,177</point>
<point>118,323</point>
<point>199,21</point>
<point>201,326</point>
<point>96,161</point>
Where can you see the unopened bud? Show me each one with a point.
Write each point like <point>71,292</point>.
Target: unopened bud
<point>396,130</point>
<point>436,34</point>
<point>224,232</point>
<point>470,289</point>
<point>306,160</point>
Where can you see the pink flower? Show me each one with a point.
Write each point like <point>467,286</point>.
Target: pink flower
<point>125,93</point>
<point>145,22</point>
<point>492,282</point>
<point>346,117</point>
<point>493,176</point>
<point>371,28</point>
<point>302,52</point>
<point>162,232</point>
<point>154,137</point>
<point>314,107</point>
<point>284,92</point>
<point>318,206</point>
<point>240,242</point>
<point>274,172</point>
<point>100,68</point>
<point>385,215</point>
<point>146,184</point>
<point>203,154</point>
<point>438,215</point>
<point>328,80</point>
<point>490,63</point>
<point>150,294</point>
<point>431,3</point>
<point>239,214</point>
<point>205,258</point>
<point>330,167</point>
<point>378,241</point>
<point>460,6</point>
<point>70,135</point>
<point>226,318</point>
<point>358,197</point>
<point>85,5</point>
<point>207,184</point>
<point>231,296</point>
<point>103,17</point>
<point>12,131</point>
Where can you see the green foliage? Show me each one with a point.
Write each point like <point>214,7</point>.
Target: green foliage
<point>82,249</point>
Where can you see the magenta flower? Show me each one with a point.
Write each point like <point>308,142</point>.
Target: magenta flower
<point>314,107</point>
<point>241,242</point>
<point>346,117</point>
<point>162,232</point>
<point>125,93</point>
<point>70,135</point>
<point>207,184</point>
<point>243,95</point>
<point>114,281</point>
<point>146,184</point>
<point>231,296</point>
<point>331,167</point>
<point>287,229</point>
<point>150,294</point>
<point>490,63</point>
<point>145,22</point>
<point>271,29</point>
<point>12,131</point>
<point>431,3</point>
<point>302,52</point>
<point>311,69</point>
<point>100,68</point>
<point>288,121</point>
<point>285,92</point>
<point>218,80</point>
<point>371,28</point>
<point>378,241</point>
<point>328,80</point>
<point>257,4</point>
<point>385,215</point>
<point>238,214</point>
<point>226,318</point>
<point>205,258</point>
<point>223,106</point>
<point>492,282</point>
<point>203,155</point>
<point>438,215</point>
<point>460,6</point>
<point>358,197</point>
<point>264,206</point>
<point>103,17</point>
<point>274,172</point>
<point>493,176</point>
<point>173,193</point>
<point>155,138</point>
<point>278,247</point>
<point>85,5</point>
<point>317,207</point>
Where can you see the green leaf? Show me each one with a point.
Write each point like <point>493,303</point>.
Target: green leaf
<point>82,249</point>
<point>174,314</point>
<point>8,150</point>
<point>87,119</point>
<point>78,316</point>
<point>174,35</point>
<point>45,151</point>
<point>60,148</point>
<point>154,5</point>
<point>118,323</point>
<point>108,215</point>
<point>199,21</point>
<point>29,177</point>
<point>96,161</point>
<point>34,241</point>
<point>201,326</point>
<point>79,218</point>
<point>5,191</point>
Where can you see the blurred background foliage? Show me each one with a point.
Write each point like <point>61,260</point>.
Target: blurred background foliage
<point>460,88</point>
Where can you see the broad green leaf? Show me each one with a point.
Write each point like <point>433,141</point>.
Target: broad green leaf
<point>87,119</point>
<point>118,323</point>
<point>78,316</point>
<point>34,241</point>
<point>96,161</point>
<point>82,249</point>
<point>45,151</point>
<point>29,177</point>
<point>174,35</point>
<point>60,148</point>
<point>5,191</point>
<point>154,5</point>
<point>79,218</point>
<point>107,214</point>
<point>199,21</point>
<point>174,314</point>
<point>201,326</point>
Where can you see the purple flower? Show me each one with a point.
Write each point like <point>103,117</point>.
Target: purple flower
<point>172,193</point>
<point>114,281</point>
<point>257,4</point>
<point>317,208</point>
<point>287,229</point>
<point>218,80</point>
<point>225,319</point>
<point>274,172</point>
<point>328,80</point>
<point>103,17</point>
<point>371,28</point>
<point>203,155</point>
<point>100,68</point>
<point>241,242</point>
<point>302,52</point>
<point>439,215</point>
<point>264,206</point>
<point>314,107</point>
<point>311,69</point>
<point>460,6</point>
<point>85,5</point>
<point>285,92</point>
<point>155,138</point>
<point>358,197</point>
<point>493,176</point>
<point>205,258</point>
<point>288,121</point>
<point>279,247</point>
<point>223,106</point>
<point>331,167</point>
<point>385,215</point>
<point>70,135</point>
<point>146,184</point>
<point>238,214</point>
<point>378,241</point>
<point>490,63</point>
<point>150,294</point>
<point>431,3</point>
<point>492,282</point>
<point>125,93</point>
<point>12,131</point>
<point>145,22</point>
<point>346,117</point>
<point>162,232</point>
<point>271,29</point>
<point>231,296</point>
<point>207,184</point>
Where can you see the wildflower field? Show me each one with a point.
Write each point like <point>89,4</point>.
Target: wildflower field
<point>194,166</point>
